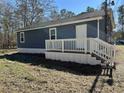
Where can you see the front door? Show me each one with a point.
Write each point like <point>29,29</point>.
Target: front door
<point>81,31</point>
<point>81,35</point>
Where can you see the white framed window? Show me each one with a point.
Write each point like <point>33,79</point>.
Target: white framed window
<point>22,37</point>
<point>52,33</point>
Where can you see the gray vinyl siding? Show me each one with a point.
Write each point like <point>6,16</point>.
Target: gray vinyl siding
<point>102,34</point>
<point>36,38</point>
<point>66,32</point>
<point>92,29</point>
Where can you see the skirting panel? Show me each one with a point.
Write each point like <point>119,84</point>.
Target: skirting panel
<point>31,50</point>
<point>73,57</point>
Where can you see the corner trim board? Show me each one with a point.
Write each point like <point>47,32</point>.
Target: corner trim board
<point>98,25</point>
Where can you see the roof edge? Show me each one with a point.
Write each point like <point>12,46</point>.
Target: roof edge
<point>65,23</point>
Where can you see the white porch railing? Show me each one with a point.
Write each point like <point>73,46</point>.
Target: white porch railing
<point>91,45</point>
<point>102,49</point>
<point>73,45</point>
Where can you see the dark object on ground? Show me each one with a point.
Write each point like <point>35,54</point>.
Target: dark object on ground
<point>119,42</point>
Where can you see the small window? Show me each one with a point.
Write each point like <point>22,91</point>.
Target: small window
<point>52,33</point>
<point>22,37</point>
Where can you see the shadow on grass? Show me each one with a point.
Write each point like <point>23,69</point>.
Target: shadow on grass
<point>39,60</point>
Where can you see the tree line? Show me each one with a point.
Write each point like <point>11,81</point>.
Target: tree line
<point>119,33</point>
<point>18,14</point>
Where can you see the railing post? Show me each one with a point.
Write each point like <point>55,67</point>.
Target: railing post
<point>62,45</point>
<point>52,45</point>
<point>85,40</point>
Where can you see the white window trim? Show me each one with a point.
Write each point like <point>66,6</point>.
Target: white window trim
<point>50,33</point>
<point>22,37</point>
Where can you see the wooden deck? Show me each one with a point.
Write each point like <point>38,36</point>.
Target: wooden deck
<point>78,47</point>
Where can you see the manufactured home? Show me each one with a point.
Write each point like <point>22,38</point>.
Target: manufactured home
<point>80,39</point>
